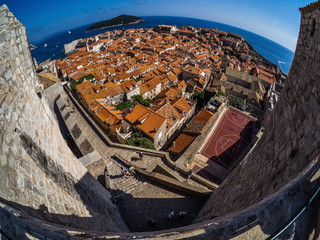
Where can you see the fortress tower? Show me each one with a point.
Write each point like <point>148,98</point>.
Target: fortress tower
<point>39,174</point>
<point>291,139</point>
<point>46,192</point>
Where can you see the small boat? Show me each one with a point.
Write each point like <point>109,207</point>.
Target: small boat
<point>69,32</point>
<point>45,45</point>
<point>32,47</point>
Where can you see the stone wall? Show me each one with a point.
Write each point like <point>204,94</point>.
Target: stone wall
<point>258,221</point>
<point>39,174</point>
<point>292,132</point>
<point>70,47</point>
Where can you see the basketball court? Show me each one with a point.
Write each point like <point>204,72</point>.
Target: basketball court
<point>229,139</point>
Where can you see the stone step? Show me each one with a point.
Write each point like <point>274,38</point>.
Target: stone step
<point>126,185</point>
<point>130,188</point>
<point>123,182</point>
<point>123,185</point>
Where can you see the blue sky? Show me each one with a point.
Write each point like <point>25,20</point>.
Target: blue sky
<point>277,20</point>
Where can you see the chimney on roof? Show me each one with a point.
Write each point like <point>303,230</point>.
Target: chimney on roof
<point>155,129</point>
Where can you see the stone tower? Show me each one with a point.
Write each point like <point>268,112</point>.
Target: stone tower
<point>39,175</point>
<point>291,141</point>
<point>292,132</point>
<point>45,192</point>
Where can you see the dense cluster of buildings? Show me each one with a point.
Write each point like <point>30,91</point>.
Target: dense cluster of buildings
<point>165,65</point>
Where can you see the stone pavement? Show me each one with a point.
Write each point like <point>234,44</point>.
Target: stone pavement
<point>153,202</point>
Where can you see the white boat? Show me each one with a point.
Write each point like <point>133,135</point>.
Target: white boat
<point>45,45</point>
<point>69,32</point>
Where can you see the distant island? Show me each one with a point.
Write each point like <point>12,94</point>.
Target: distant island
<point>116,21</point>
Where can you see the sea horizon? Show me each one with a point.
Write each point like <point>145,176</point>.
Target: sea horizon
<point>271,50</point>
<point>85,25</point>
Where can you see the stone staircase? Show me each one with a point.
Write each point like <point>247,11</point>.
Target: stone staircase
<point>122,185</point>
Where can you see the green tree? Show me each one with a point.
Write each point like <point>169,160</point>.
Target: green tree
<point>124,105</point>
<point>199,94</point>
<point>138,140</point>
<point>141,100</point>
<point>90,76</point>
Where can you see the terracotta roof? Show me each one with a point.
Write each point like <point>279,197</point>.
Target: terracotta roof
<point>109,85</point>
<point>170,92</point>
<point>105,40</point>
<point>146,120</point>
<point>129,85</point>
<point>173,78</point>
<point>192,70</point>
<point>122,76</point>
<point>266,77</point>
<point>89,94</point>
<point>98,86</point>
<point>144,88</point>
<point>114,91</point>
<point>182,105</point>
<point>108,114</point>
<point>76,76</point>
<point>150,85</point>
<point>170,113</point>
<point>144,68</point>
<point>85,84</point>
<point>182,143</point>
<point>165,26</point>
<point>199,122</point>
<point>203,116</point>
<point>162,69</point>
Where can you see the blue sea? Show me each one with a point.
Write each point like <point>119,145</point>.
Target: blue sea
<point>52,47</point>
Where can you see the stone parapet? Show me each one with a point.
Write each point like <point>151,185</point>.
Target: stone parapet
<point>310,7</point>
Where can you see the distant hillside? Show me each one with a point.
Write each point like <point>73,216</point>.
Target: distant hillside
<point>116,21</point>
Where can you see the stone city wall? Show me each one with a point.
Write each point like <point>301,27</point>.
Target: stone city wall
<point>38,173</point>
<point>292,132</point>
